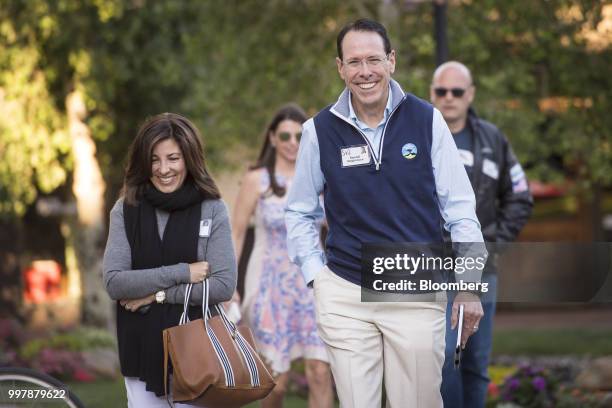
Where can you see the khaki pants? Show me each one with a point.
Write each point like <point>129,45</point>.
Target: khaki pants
<point>403,340</point>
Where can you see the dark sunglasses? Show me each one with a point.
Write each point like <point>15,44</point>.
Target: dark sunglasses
<point>285,136</point>
<point>457,92</point>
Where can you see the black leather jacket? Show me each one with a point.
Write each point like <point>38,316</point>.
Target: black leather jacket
<point>502,212</point>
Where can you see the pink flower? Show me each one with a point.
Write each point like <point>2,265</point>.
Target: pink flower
<point>82,375</point>
<point>493,390</point>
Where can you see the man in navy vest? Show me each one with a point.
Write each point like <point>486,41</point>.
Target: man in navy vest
<point>389,172</point>
<point>503,205</point>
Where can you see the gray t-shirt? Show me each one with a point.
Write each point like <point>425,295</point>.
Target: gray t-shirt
<point>122,282</point>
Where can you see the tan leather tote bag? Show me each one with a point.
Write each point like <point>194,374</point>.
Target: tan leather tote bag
<point>215,364</point>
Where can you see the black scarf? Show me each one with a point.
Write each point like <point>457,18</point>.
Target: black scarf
<point>180,239</point>
<point>140,335</point>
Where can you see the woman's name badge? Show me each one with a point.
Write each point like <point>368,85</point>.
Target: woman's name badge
<point>355,156</point>
<point>205,227</point>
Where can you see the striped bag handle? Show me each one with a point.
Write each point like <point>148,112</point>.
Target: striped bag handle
<point>221,355</point>
<point>243,346</point>
<point>184,316</point>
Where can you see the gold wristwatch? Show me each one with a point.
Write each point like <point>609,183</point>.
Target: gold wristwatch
<point>160,297</point>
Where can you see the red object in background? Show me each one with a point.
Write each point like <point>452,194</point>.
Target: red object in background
<point>42,281</point>
<point>493,390</point>
<point>82,375</point>
<point>545,190</point>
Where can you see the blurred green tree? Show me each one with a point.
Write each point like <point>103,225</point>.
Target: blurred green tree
<point>542,74</point>
<point>33,140</point>
<point>541,68</point>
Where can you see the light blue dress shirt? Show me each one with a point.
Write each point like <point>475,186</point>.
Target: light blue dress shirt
<point>373,135</point>
<point>456,200</point>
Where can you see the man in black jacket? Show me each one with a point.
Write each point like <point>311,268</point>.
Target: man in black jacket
<point>503,205</point>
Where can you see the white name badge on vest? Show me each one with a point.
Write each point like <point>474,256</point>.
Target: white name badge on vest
<point>205,227</point>
<point>355,156</point>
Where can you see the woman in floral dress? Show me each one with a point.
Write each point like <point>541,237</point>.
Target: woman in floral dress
<point>277,305</point>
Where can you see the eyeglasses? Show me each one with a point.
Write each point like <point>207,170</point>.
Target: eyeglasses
<point>457,92</point>
<point>285,136</point>
<point>371,62</point>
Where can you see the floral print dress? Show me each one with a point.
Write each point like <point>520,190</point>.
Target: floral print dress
<point>277,304</point>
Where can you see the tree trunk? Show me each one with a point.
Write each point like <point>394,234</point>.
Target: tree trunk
<point>440,24</point>
<point>11,289</point>
<point>389,16</point>
<point>85,232</point>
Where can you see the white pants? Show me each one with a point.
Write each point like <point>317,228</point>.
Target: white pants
<point>139,397</point>
<point>402,340</point>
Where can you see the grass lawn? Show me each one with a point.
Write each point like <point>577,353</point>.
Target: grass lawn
<point>105,394</point>
<point>592,342</point>
<point>101,394</point>
<point>529,342</point>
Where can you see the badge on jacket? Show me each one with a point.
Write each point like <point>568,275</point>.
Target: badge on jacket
<point>519,181</point>
<point>205,227</point>
<point>355,156</point>
<point>467,157</point>
<point>489,167</point>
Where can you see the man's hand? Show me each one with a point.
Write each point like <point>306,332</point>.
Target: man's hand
<point>198,271</point>
<point>472,313</point>
<point>132,305</point>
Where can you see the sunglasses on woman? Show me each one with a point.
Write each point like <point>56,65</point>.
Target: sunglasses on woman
<point>285,136</point>
<point>457,92</point>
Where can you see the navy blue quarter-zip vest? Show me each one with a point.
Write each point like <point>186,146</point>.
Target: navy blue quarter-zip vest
<point>396,203</point>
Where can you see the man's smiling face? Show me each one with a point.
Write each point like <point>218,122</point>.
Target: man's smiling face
<point>367,81</point>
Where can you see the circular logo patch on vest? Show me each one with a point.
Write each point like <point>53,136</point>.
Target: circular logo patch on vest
<point>409,151</point>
